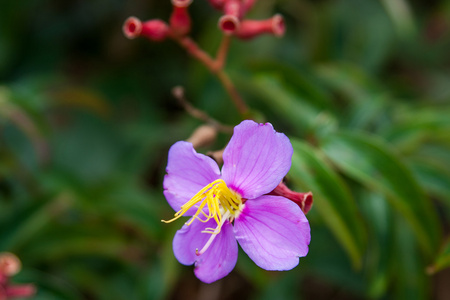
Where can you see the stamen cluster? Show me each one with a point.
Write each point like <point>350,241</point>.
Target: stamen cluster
<point>220,201</point>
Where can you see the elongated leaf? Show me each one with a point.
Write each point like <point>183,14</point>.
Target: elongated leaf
<point>407,264</point>
<point>415,127</point>
<point>365,100</point>
<point>290,106</point>
<point>332,199</point>
<point>443,259</point>
<point>378,215</point>
<point>23,225</point>
<point>373,164</point>
<point>434,178</point>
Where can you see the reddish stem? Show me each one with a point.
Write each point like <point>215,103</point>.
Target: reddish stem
<point>222,52</point>
<point>216,67</point>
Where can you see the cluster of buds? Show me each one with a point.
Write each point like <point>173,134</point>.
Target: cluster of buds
<point>232,22</point>
<point>9,266</point>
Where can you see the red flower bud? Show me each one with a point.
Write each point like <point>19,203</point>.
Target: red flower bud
<point>132,27</point>
<point>229,24</point>
<point>155,30</point>
<point>9,264</point>
<point>303,200</point>
<point>233,8</point>
<point>233,12</point>
<point>251,28</point>
<point>180,21</point>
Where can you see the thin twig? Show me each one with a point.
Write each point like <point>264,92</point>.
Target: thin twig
<point>234,95</point>
<point>178,93</point>
<point>193,49</point>
<point>216,67</point>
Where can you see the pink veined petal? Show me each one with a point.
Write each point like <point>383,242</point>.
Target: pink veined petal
<point>273,231</point>
<point>187,173</point>
<point>256,159</point>
<point>218,260</point>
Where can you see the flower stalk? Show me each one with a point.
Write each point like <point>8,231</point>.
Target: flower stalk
<point>232,23</point>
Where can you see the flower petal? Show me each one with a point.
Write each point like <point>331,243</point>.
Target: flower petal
<point>273,231</point>
<point>218,260</point>
<point>256,159</point>
<point>187,173</point>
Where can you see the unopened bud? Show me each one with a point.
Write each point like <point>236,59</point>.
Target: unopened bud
<point>230,21</point>
<point>229,24</point>
<point>132,27</point>
<point>10,264</point>
<point>303,200</point>
<point>252,28</point>
<point>180,21</point>
<point>155,30</point>
<point>203,136</point>
<point>233,8</point>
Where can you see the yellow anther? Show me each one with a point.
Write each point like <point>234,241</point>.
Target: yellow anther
<point>220,201</point>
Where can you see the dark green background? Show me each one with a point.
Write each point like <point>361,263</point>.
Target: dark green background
<point>362,88</point>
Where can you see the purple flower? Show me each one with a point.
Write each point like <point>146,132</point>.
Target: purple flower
<point>233,206</point>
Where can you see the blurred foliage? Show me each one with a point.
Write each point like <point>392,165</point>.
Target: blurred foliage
<point>86,119</point>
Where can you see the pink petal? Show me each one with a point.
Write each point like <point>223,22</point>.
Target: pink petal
<point>273,231</point>
<point>218,260</point>
<point>187,173</point>
<point>256,159</point>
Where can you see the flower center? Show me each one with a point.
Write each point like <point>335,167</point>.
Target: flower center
<point>222,204</point>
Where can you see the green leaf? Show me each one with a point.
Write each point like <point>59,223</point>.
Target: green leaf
<point>332,198</point>
<point>443,259</point>
<point>401,16</point>
<point>407,264</point>
<point>365,100</point>
<point>378,215</point>
<point>434,178</point>
<point>372,163</point>
<point>418,125</point>
<point>23,225</point>
<point>290,106</point>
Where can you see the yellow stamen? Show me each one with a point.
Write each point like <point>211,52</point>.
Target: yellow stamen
<point>221,202</point>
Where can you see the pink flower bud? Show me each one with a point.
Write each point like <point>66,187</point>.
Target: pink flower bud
<point>251,28</point>
<point>229,24</point>
<point>233,12</point>
<point>155,30</point>
<point>233,8</point>
<point>180,21</point>
<point>10,264</point>
<point>132,27</point>
<point>303,200</point>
